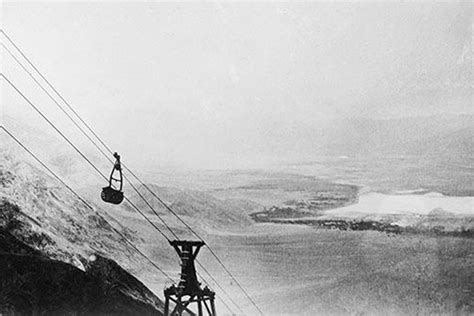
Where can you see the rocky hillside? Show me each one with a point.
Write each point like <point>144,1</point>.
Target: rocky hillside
<point>32,283</point>
<point>54,251</point>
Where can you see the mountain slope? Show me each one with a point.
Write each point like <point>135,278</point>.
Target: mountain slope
<point>64,235</point>
<point>31,283</point>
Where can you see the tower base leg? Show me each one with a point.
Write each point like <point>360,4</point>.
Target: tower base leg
<point>184,302</point>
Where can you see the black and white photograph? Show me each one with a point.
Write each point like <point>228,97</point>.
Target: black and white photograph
<point>236,158</point>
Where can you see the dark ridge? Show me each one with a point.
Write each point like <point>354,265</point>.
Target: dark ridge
<point>364,225</point>
<point>31,284</point>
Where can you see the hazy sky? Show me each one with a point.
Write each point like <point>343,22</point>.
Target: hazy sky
<point>197,83</point>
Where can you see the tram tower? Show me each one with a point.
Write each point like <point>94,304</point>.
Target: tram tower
<point>188,290</point>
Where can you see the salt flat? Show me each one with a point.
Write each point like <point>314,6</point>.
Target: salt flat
<point>423,204</point>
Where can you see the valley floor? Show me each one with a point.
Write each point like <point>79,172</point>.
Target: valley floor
<point>304,271</point>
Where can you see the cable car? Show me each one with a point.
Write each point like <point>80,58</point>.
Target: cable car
<point>110,194</point>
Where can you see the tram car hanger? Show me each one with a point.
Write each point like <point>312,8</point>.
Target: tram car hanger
<point>113,192</point>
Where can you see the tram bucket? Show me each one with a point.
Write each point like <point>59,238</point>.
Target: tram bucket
<point>111,195</point>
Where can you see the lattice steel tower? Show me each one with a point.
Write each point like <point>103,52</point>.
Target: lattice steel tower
<point>188,289</point>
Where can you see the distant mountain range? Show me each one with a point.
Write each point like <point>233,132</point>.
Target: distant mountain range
<point>447,134</point>
<point>450,135</point>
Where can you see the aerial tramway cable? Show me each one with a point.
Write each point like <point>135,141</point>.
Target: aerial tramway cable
<point>82,200</point>
<point>140,181</point>
<point>110,151</point>
<point>77,125</point>
<point>72,120</point>
<point>133,205</point>
<point>77,149</point>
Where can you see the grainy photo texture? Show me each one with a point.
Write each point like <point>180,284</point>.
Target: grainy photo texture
<point>236,158</point>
